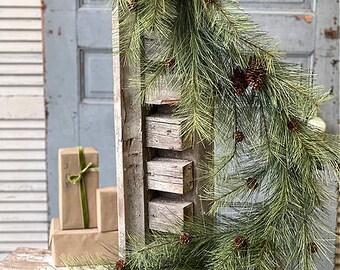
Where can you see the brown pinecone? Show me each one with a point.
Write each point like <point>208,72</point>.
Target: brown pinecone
<point>255,74</point>
<point>121,264</point>
<point>169,63</point>
<point>293,124</point>
<point>133,6</point>
<point>252,183</point>
<point>239,81</point>
<point>240,242</point>
<point>313,248</point>
<point>239,137</point>
<point>185,238</point>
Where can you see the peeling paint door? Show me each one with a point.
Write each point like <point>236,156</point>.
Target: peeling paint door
<point>79,84</point>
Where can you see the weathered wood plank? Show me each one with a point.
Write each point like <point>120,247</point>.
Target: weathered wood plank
<point>21,91</point>
<point>163,93</point>
<point>22,124</point>
<point>170,175</point>
<point>164,132</point>
<point>22,144</point>
<point>23,216</point>
<point>24,227</point>
<point>22,155</point>
<point>21,24</point>
<point>28,206</point>
<point>22,107</point>
<point>22,176</point>
<point>23,237</point>
<point>168,216</point>
<point>22,134</point>
<point>20,35</point>
<point>23,197</point>
<point>18,12</point>
<point>21,186</point>
<point>20,3</point>
<point>12,58</point>
<point>12,46</point>
<point>11,69</point>
<point>21,80</point>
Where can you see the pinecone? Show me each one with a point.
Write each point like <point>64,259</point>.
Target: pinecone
<point>255,74</point>
<point>133,6</point>
<point>240,242</point>
<point>239,81</point>
<point>293,124</point>
<point>313,248</point>
<point>169,63</point>
<point>185,238</point>
<point>121,264</point>
<point>239,137</point>
<point>252,183</point>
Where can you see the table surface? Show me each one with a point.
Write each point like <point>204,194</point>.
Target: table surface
<point>28,259</point>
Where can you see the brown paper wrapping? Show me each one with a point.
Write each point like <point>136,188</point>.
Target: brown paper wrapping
<point>70,212</point>
<point>107,212</point>
<point>80,244</point>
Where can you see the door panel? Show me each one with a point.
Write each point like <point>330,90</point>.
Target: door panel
<point>79,84</point>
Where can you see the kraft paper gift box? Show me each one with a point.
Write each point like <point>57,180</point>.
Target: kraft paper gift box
<point>107,213</point>
<point>70,206</point>
<point>71,245</point>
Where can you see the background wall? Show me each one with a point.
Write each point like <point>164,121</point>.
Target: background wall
<point>23,192</point>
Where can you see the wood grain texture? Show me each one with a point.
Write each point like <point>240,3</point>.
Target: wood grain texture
<point>23,181</point>
<point>168,216</point>
<point>170,175</point>
<point>165,132</point>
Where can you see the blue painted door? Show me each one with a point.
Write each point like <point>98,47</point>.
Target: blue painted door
<point>79,84</point>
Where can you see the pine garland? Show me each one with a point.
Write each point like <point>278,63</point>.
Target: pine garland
<point>236,91</point>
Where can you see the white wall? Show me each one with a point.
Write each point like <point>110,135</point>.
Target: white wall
<point>23,195</point>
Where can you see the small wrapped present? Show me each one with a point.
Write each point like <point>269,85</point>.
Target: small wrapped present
<point>76,247</point>
<point>107,211</point>
<point>78,181</point>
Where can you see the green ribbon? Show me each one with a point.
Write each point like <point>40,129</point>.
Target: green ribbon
<point>79,177</point>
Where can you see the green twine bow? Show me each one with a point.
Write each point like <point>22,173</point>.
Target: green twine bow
<point>79,177</point>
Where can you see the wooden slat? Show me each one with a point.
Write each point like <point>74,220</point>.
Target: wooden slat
<point>20,3</point>
<point>21,80</point>
<point>24,227</point>
<point>21,90</point>
<point>22,124</point>
<point>7,35</point>
<point>168,216</point>
<point>28,206</point>
<point>31,58</point>
<point>22,155</point>
<point>31,69</point>
<point>24,216</point>
<point>22,24</point>
<point>22,107</point>
<point>23,237</point>
<point>22,144</point>
<point>11,46</point>
<point>23,197</point>
<point>22,186</point>
<point>170,175</point>
<point>18,13</point>
<point>22,165</point>
<point>164,132</point>
<point>22,176</point>
<point>22,134</point>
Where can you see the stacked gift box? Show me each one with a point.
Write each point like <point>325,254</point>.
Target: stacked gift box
<point>88,219</point>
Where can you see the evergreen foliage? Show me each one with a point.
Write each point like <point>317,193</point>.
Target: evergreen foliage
<point>267,158</point>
